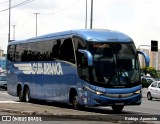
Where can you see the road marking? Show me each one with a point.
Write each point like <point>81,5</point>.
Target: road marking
<point>9,102</point>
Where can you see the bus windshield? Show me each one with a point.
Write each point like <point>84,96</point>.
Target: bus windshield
<point>115,64</point>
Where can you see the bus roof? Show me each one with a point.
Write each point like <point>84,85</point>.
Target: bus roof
<point>97,35</point>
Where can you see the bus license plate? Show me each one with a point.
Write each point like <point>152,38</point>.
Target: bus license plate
<point>119,103</point>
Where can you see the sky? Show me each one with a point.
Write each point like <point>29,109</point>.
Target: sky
<point>139,19</point>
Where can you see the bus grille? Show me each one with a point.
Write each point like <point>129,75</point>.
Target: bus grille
<point>119,95</point>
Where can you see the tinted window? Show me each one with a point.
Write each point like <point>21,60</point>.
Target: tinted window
<point>18,52</point>
<point>10,54</point>
<point>55,54</point>
<point>43,51</point>
<point>79,44</point>
<point>29,52</point>
<point>67,51</point>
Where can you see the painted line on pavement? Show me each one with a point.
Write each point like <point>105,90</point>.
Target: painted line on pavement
<point>9,102</point>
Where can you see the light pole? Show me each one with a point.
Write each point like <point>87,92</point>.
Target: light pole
<point>91,14</point>
<point>14,31</point>
<point>9,32</point>
<point>36,22</point>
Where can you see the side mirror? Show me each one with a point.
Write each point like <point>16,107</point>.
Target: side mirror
<point>88,55</point>
<point>147,60</point>
<point>154,45</point>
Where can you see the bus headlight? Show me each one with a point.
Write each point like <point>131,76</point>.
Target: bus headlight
<point>138,92</point>
<point>99,93</point>
<point>93,91</point>
<point>89,89</point>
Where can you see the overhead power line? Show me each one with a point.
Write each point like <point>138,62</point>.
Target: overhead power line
<point>20,4</point>
<point>5,2</point>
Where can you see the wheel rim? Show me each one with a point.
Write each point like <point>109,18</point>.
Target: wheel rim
<point>75,102</point>
<point>27,95</point>
<point>21,98</point>
<point>20,95</point>
<point>149,96</point>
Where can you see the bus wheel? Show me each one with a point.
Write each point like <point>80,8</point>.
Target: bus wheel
<point>27,95</point>
<point>75,102</point>
<point>20,94</point>
<point>117,108</point>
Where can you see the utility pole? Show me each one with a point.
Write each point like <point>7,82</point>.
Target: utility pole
<point>9,32</point>
<point>86,15</point>
<point>91,14</point>
<point>14,31</point>
<point>36,22</point>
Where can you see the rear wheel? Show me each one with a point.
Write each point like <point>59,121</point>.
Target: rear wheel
<point>20,94</point>
<point>149,96</point>
<point>117,108</point>
<point>27,95</point>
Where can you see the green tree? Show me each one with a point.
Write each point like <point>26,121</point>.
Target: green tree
<point>150,70</point>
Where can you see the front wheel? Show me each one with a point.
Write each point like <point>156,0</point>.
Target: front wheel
<point>117,108</point>
<point>75,102</point>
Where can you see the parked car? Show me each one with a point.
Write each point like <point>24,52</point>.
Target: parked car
<point>154,90</point>
<point>3,81</point>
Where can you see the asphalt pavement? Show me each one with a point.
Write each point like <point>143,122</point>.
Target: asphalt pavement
<point>39,108</point>
<point>144,92</point>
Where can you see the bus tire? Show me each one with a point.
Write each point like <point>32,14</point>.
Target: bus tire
<point>75,103</point>
<point>20,94</point>
<point>27,95</point>
<point>117,108</point>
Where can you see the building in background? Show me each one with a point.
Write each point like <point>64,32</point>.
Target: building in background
<point>154,59</point>
<point>1,52</point>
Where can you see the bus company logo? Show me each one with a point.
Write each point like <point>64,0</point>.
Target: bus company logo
<point>47,68</point>
<point>41,68</point>
<point>120,96</point>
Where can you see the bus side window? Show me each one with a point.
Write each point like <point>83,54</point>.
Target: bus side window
<point>67,51</point>
<point>56,49</point>
<point>11,54</point>
<point>82,63</point>
<point>18,53</point>
<point>79,44</point>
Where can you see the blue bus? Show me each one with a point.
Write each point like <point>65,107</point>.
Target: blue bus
<point>85,67</point>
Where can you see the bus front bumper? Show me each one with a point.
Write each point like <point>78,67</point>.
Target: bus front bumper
<point>99,100</point>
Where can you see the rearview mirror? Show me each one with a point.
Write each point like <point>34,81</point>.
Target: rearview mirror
<point>88,55</point>
<point>147,60</point>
